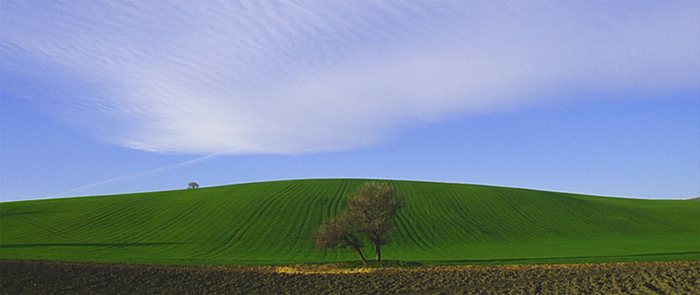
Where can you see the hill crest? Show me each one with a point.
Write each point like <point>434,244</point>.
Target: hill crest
<point>273,222</point>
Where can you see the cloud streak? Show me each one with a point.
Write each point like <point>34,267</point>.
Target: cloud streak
<point>301,77</point>
<point>132,176</point>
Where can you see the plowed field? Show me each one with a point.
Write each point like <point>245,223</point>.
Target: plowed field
<point>52,277</point>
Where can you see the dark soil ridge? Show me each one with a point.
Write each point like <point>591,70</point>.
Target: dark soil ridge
<point>57,277</point>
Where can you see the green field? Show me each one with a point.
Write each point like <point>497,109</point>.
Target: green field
<point>273,223</point>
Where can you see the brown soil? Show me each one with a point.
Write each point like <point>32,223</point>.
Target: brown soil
<point>54,277</point>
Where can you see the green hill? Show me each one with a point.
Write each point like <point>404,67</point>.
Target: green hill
<point>273,223</point>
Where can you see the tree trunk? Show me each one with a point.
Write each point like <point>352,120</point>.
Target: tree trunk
<point>359,252</point>
<point>378,251</point>
<point>356,245</point>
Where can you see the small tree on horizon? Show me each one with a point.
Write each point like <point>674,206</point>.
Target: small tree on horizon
<point>370,213</point>
<point>193,185</point>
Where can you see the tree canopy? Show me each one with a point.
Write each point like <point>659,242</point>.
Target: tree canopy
<point>370,213</point>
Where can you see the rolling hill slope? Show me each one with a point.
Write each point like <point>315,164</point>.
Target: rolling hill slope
<point>273,223</point>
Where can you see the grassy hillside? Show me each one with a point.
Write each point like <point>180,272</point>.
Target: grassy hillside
<point>273,222</point>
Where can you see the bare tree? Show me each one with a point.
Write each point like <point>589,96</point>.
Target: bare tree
<point>370,213</point>
<point>192,185</point>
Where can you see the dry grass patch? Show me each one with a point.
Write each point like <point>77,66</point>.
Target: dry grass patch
<point>320,269</point>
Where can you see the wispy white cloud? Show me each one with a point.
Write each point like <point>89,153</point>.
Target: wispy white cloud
<point>296,77</point>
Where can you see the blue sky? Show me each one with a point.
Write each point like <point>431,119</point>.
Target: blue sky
<point>104,97</point>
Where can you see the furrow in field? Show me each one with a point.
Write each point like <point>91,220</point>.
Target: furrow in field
<point>427,218</point>
<point>456,228</point>
<point>45,228</point>
<point>467,205</point>
<point>648,220</point>
<point>309,212</point>
<point>337,198</point>
<point>121,228</point>
<point>17,230</point>
<point>146,221</point>
<point>202,230</point>
<point>453,227</point>
<point>178,220</point>
<point>283,229</point>
<point>571,217</point>
<point>246,213</point>
<point>575,218</point>
<point>440,223</point>
<point>407,219</point>
<point>124,230</point>
<point>474,216</point>
<point>96,213</point>
<point>330,208</point>
<point>107,216</point>
<point>311,220</point>
<point>462,216</point>
<point>546,217</point>
<point>460,202</point>
<point>406,231</point>
<point>523,224</point>
<point>80,231</point>
<point>241,231</point>
<point>591,219</point>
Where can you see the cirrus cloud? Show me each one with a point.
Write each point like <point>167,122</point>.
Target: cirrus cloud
<point>293,77</point>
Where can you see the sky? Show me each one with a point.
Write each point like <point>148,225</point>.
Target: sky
<point>108,97</point>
